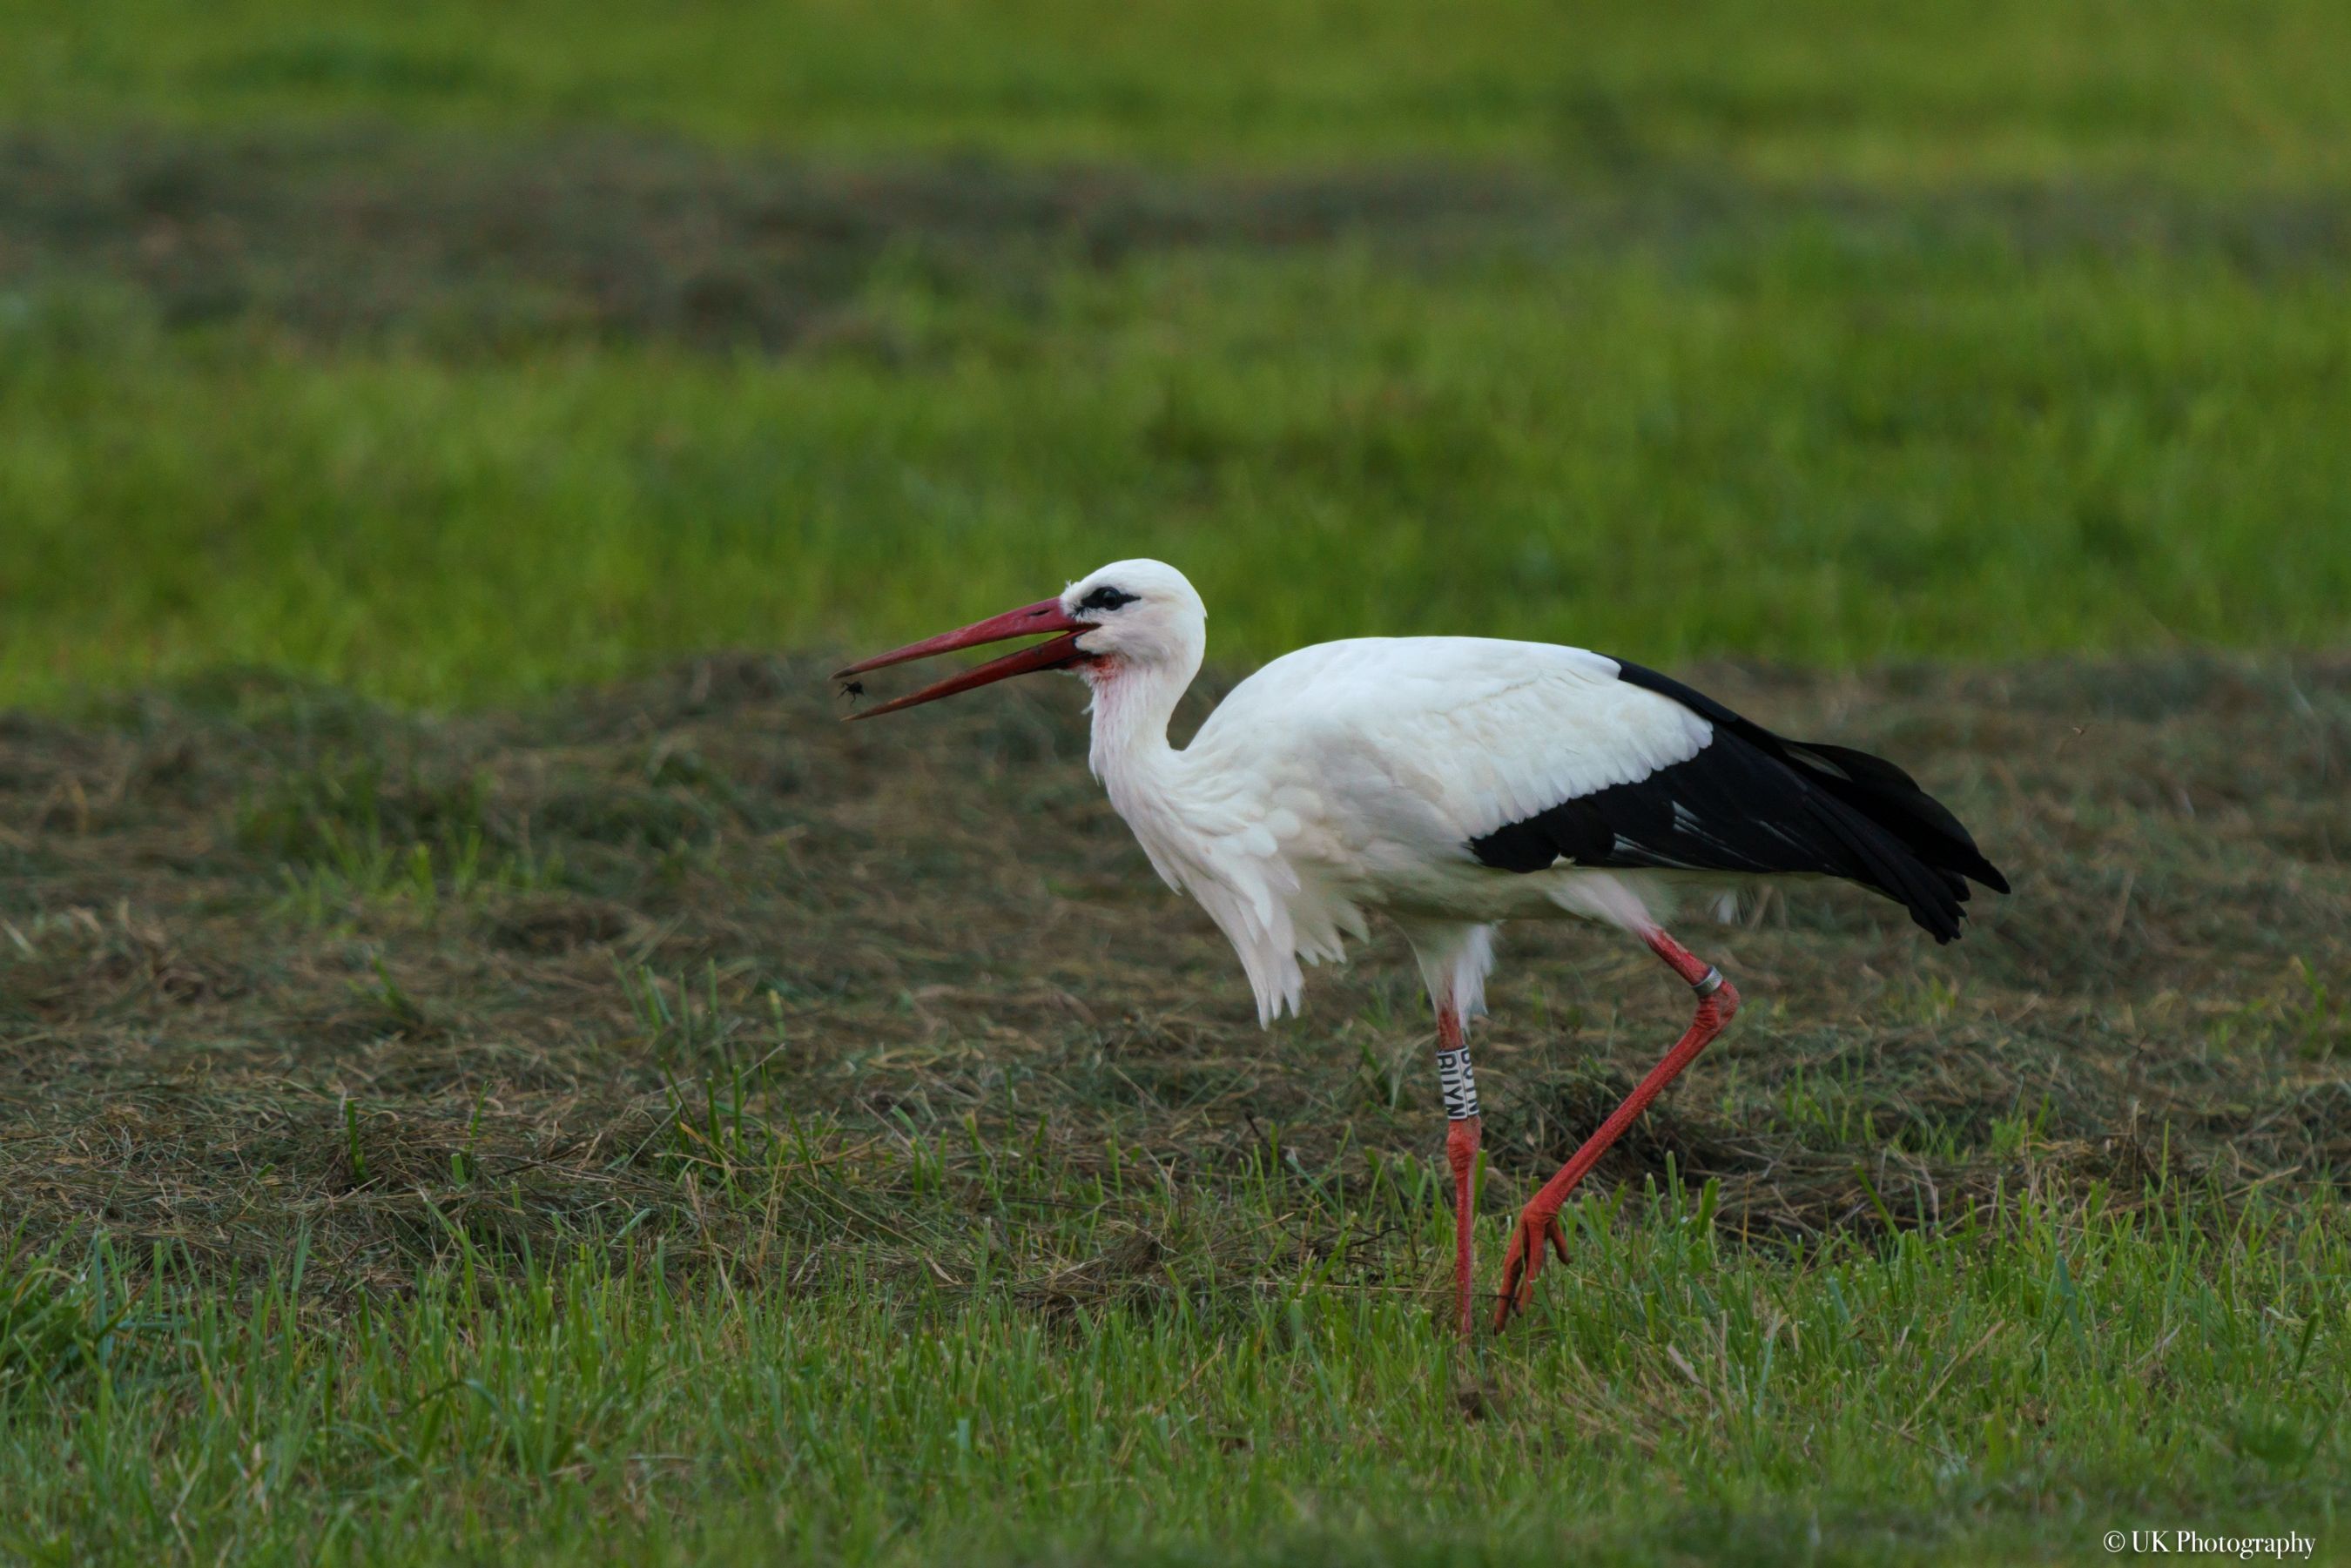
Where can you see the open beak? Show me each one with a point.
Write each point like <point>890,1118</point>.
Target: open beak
<point>1055,654</point>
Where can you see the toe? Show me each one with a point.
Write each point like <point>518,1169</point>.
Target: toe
<point>1522,1263</point>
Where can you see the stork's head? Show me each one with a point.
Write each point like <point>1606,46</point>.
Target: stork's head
<point>1131,615</point>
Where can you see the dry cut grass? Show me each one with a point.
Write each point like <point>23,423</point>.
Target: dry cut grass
<point>277,963</point>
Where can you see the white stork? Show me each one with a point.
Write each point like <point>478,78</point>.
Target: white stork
<point>1452,783</point>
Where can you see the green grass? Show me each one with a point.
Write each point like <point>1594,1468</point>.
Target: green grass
<point>2239,94</point>
<point>1960,331</point>
<point>2013,1386</point>
<point>1801,449</point>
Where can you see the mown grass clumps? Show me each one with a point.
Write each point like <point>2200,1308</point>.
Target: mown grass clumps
<point>348,826</point>
<point>344,836</point>
<point>886,1167</point>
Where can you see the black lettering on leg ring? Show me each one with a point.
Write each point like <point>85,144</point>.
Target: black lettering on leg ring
<point>1457,1083</point>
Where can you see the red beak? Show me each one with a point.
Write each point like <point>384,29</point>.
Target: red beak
<point>1055,654</point>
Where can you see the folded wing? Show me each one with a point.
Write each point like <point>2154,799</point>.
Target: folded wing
<point>1531,757</point>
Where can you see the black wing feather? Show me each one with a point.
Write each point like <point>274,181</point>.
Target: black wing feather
<point>1875,788</point>
<point>1751,804</point>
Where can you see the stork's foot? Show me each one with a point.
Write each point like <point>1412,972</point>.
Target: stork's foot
<point>1537,1228</point>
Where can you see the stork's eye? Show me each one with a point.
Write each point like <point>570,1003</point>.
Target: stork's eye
<point>1107,598</point>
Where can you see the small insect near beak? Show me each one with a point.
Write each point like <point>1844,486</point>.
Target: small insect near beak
<point>1057,653</point>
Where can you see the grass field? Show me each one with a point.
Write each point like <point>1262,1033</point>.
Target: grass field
<point>485,1077</point>
<point>2007,333</point>
<point>2243,95</point>
<point>605,1131</point>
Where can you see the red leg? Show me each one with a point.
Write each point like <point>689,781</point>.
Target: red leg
<point>1538,1225</point>
<point>1461,1137</point>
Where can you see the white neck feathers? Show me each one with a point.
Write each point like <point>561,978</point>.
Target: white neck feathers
<point>1209,832</point>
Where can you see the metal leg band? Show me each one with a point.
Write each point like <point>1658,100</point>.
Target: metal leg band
<point>1709,983</point>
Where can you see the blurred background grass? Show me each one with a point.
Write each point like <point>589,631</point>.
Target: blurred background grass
<point>2234,95</point>
<point>459,352</point>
